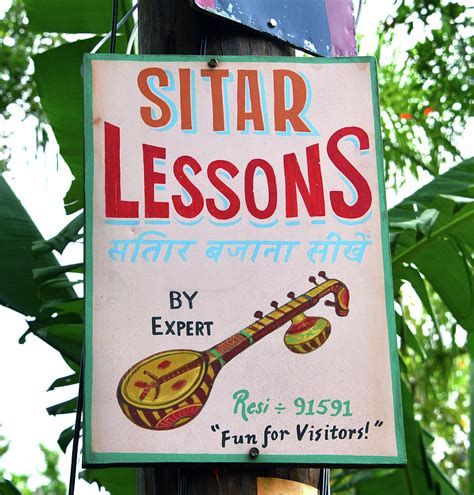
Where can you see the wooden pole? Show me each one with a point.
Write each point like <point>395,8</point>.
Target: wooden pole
<point>172,27</point>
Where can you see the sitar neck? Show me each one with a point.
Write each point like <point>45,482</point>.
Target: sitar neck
<point>226,350</point>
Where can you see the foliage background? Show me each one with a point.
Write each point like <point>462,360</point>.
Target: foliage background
<point>424,56</point>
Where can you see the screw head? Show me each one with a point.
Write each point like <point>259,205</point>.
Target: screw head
<point>272,23</point>
<point>253,452</point>
<point>213,63</point>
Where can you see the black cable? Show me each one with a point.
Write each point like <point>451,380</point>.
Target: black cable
<point>80,396</point>
<point>114,26</point>
<point>77,428</point>
<point>359,10</point>
<point>324,486</point>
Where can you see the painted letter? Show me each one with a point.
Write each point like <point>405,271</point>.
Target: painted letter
<point>297,96</point>
<point>153,209</point>
<point>216,76</point>
<point>311,193</point>
<point>146,112</point>
<point>185,100</point>
<point>196,205</point>
<point>364,194</point>
<point>234,201</point>
<point>267,169</point>
<point>254,113</point>
<point>115,206</point>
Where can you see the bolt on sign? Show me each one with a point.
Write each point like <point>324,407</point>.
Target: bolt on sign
<point>238,287</point>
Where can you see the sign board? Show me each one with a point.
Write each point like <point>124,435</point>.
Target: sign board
<point>238,285</point>
<point>319,27</point>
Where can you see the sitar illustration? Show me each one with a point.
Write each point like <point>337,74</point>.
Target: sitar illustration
<point>170,388</point>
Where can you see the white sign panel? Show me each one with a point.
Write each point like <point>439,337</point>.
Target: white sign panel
<point>238,286</point>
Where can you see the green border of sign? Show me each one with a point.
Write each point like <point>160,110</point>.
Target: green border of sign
<point>137,458</point>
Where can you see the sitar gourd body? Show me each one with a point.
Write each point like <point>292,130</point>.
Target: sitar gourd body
<point>168,389</point>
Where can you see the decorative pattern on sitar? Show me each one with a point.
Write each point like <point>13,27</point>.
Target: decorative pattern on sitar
<point>170,388</point>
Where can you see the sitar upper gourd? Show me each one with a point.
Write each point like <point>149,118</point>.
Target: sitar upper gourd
<point>168,389</point>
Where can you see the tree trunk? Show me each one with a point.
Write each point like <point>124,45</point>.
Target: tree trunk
<point>172,27</point>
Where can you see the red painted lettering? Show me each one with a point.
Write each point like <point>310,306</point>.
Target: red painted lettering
<point>311,193</point>
<point>115,206</point>
<point>224,189</point>
<point>364,195</point>
<point>153,209</point>
<point>197,202</point>
<point>267,169</point>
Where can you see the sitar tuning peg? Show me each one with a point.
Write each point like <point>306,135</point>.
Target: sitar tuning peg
<point>312,279</point>
<point>258,314</point>
<point>330,303</point>
<point>291,295</point>
<point>274,304</point>
<point>323,275</point>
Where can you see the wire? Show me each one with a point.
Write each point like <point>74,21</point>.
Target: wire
<point>324,486</point>
<point>119,25</point>
<point>203,46</point>
<point>132,39</point>
<point>359,10</point>
<point>80,397</point>
<point>114,26</point>
<point>77,428</point>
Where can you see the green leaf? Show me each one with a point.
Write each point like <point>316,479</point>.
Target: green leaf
<point>45,273</point>
<point>427,220</point>
<point>117,481</point>
<point>393,484</point>
<point>65,338</point>
<point>424,223</point>
<point>65,438</point>
<point>350,478</point>
<point>8,488</point>
<point>454,282</point>
<point>441,481</point>
<point>75,306</point>
<point>75,16</point>
<point>55,287</point>
<point>447,241</point>
<point>470,350</point>
<point>412,276</point>
<point>66,407</point>
<point>456,182</point>
<point>58,79</point>
<point>70,233</point>
<point>64,381</point>
<point>408,337</point>
<point>419,477</point>
<point>17,233</point>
